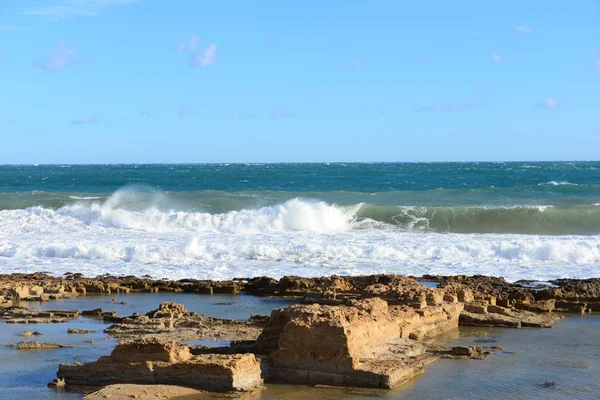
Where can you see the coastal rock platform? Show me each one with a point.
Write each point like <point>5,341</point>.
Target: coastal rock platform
<point>372,331</point>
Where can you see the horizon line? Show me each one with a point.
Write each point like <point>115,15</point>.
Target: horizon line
<point>298,162</point>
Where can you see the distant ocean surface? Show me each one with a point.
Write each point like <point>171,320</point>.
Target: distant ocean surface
<point>519,220</point>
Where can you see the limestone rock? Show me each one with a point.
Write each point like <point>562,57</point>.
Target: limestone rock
<point>79,331</point>
<point>153,361</point>
<point>150,349</point>
<point>56,383</point>
<point>129,391</point>
<point>35,345</point>
<point>22,315</point>
<point>508,318</point>
<point>363,344</point>
<point>173,321</point>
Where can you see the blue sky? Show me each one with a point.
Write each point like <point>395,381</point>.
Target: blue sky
<point>102,81</point>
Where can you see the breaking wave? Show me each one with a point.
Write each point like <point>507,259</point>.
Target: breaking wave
<point>155,211</point>
<point>148,232</point>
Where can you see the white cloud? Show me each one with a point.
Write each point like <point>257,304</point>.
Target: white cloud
<point>282,112</point>
<point>64,9</point>
<point>9,27</point>
<point>441,106</point>
<point>242,115</point>
<point>352,64</point>
<point>480,89</point>
<point>146,114</point>
<point>185,111</point>
<point>198,59</point>
<point>205,58</point>
<point>596,65</point>
<point>524,29</point>
<point>497,59</point>
<point>86,120</point>
<point>549,103</point>
<point>59,57</point>
<point>189,45</point>
<point>593,49</point>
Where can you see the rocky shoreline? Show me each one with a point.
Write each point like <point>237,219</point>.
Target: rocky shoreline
<point>365,331</point>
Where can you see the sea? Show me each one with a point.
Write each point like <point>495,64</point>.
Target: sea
<point>518,220</point>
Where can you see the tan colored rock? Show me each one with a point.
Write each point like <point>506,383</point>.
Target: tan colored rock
<point>363,344</point>
<point>146,392</point>
<point>503,302</point>
<point>173,321</point>
<point>570,306</point>
<point>56,383</point>
<point>508,318</point>
<point>79,331</point>
<point>540,306</point>
<point>92,313</point>
<point>150,349</point>
<point>35,345</point>
<point>477,308</point>
<point>169,310</point>
<point>152,361</point>
<point>22,315</point>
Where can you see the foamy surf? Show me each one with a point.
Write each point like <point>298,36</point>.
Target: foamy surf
<point>293,215</point>
<point>139,234</point>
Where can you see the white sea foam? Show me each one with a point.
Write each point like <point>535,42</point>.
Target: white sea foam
<point>555,183</point>
<point>84,197</point>
<point>298,237</point>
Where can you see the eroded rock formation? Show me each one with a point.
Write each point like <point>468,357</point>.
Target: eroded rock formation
<point>154,361</point>
<point>173,321</point>
<point>364,344</point>
<point>569,295</point>
<point>368,331</point>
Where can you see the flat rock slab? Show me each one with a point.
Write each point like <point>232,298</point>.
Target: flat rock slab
<point>149,392</point>
<point>35,345</point>
<point>154,361</point>
<point>22,315</point>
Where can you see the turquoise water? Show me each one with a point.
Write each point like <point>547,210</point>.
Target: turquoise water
<point>519,220</point>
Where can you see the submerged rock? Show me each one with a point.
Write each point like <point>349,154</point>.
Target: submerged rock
<point>131,391</point>
<point>79,331</point>
<point>56,383</point>
<point>22,315</point>
<point>173,321</point>
<point>30,333</point>
<point>35,345</point>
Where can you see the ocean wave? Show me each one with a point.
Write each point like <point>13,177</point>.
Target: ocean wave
<point>155,211</point>
<point>555,183</point>
<point>125,210</point>
<point>533,220</point>
<point>139,233</point>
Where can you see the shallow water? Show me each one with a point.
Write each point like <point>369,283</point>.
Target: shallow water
<point>567,354</point>
<point>25,373</point>
<point>237,306</point>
